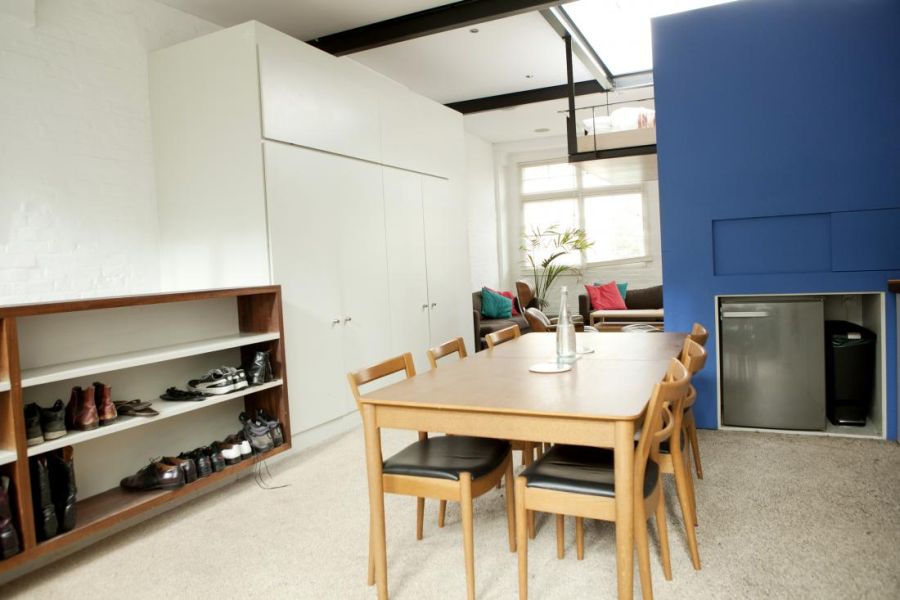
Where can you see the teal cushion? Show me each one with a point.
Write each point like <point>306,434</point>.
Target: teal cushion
<point>495,306</point>
<point>623,288</point>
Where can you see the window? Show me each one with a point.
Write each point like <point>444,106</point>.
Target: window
<point>614,217</point>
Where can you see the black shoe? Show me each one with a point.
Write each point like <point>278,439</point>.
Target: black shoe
<point>53,421</point>
<point>9,537</point>
<point>62,486</point>
<point>155,476</point>
<point>201,460</point>
<point>216,460</point>
<point>45,521</point>
<point>33,433</point>
<point>257,434</point>
<point>273,425</point>
<point>260,370</point>
<point>216,381</point>
<point>173,394</point>
<point>187,466</point>
<point>230,451</point>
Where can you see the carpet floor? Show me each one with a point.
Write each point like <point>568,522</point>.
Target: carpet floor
<point>781,516</point>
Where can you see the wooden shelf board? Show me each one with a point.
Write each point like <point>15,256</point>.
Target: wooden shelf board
<point>115,506</point>
<point>4,386</point>
<point>127,360</point>
<point>166,410</point>
<point>7,456</point>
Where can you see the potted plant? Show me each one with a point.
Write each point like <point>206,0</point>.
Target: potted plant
<point>543,249</point>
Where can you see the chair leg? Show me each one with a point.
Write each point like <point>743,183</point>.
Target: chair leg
<point>691,427</point>
<point>687,513</point>
<point>642,543</point>
<point>579,537</point>
<point>521,538</point>
<point>560,536</point>
<point>531,530</point>
<point>442,513</point>
<point>663,531</point>
<point>510,506</point>
<point>691,490</point>
<point>527,453</point>
<point>420,517</point>
<point>465,503</point>
<point>370,578</point>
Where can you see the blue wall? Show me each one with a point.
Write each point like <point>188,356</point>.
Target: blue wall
<point>779,158</point>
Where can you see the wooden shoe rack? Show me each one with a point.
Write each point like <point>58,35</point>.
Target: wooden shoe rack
<point>142,345</point>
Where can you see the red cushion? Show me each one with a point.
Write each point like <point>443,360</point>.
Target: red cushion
<point>511,297</point>
<point>605,297</point>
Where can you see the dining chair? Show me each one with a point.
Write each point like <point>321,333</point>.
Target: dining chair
<point>457,468</point>
<point>580,481</point>
<point>502,335</point>
<point>540,322</point>
<point>699,334</point>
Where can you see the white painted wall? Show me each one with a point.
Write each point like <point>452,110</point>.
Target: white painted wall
<point>77,199</point>
<point>484,260</point>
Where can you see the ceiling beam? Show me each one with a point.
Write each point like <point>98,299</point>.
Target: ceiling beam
<point>554,92</point>
<point>560,21</point>
<point>426,22</point>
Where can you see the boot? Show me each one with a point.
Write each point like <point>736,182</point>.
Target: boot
<point>9,538</point>
<point>44,512</point>
<point>260,370</point>
<point>106,410</point>
<point>81,412</point>
<point>62,486</point>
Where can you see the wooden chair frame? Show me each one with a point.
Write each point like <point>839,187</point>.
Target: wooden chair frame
<point>659,424</point>
<point>506,334</point>
<point>457,345</point>
<point>700,335</point>
<point>462,491</point>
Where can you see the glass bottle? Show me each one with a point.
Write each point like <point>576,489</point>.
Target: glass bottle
<point>565,331</point>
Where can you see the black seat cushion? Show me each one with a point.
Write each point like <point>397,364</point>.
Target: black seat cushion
<point>445,457</point>
<point>581,470</point>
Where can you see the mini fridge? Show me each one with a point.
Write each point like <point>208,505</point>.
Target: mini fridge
<point>773,362</point>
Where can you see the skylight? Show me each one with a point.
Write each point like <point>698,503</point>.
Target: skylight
<point>619,30</point>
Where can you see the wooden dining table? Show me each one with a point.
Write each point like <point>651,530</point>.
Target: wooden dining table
<point>599,402</point>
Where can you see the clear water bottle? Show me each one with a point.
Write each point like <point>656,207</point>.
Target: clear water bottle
<point>565,331</point>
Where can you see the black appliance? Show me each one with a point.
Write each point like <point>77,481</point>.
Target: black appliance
<point>849,372</point>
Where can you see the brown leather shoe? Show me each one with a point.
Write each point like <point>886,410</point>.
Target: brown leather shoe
<point>106,410</point>
<point>155,476</point>
<point>81,412</point>
<point>187,466</point>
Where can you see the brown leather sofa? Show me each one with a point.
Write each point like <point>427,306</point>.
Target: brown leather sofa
<point>485,326</point>
<point>644,306</point>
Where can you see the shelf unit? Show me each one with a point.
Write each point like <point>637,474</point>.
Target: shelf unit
<point>254,314</point>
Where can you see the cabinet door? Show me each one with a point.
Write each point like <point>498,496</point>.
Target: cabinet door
<point>357,192</point>
<point>447,262</point>
<point>404,225</point>
<point>305,257</point>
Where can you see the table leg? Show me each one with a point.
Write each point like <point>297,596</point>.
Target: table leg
<point>624,473</point>
<point>374,464</point>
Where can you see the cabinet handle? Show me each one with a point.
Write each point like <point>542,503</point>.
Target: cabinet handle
<point>425,306</point>
<point>434,305</point>
<point>335,321</point>
<point>347,319</point>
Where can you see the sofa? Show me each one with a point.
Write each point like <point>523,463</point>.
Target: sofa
<point>485,326</point>
<point>644,306</point>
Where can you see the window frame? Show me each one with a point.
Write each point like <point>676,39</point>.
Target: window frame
<point>579,193</point>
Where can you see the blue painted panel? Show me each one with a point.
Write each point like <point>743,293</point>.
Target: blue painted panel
<point>771,108</point>
<point>792,244</point>
<point>866,240</point>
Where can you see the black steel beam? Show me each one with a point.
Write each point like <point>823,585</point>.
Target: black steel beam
<point>554,92</point>
<point>613,153</point>
<point>425,22</point>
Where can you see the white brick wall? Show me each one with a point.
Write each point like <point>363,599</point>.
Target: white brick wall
<point>77,200</point>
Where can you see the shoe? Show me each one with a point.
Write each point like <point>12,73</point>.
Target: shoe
<point>260,370</point>
<point>273,425</point>
<point>257,434</point>
<point>106,410</point>
<point>134,408</point>
<point>155,476</point>
<point>201,460</point>
<point>33,432</point>
<point>53,421</point>
<point>230,452</point>
<point>238,377</point>
<point>81,412</point>
<point>239,439</point>
<point>9,537</point>
<point>216,381</point>
<point>187,466</point>
<point>173,394</point>
<point>217,461</point>
<point>63,491</point>
<point>45,522</point>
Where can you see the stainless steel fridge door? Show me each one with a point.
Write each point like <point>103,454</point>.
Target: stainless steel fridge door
<point>773,364</point>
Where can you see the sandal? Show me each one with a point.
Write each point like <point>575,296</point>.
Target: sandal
<point>173,394</point>
<point>135,408</point>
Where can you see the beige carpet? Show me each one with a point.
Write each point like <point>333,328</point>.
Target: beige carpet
<point>780,517</point>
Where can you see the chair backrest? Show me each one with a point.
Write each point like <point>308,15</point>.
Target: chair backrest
<point>404,362</point>
<point>699,334</point>
<point>693,357</point>
<point>446,349</point>
<point>525,295</point>
<point>659,421</point>
<point>537,320</point>
<point>504,335</point>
